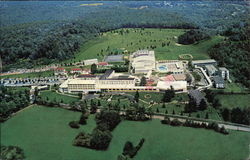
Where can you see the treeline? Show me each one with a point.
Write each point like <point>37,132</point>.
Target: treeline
<point>101,136</point>
<point>234,53</point>
<point>44,43</point>
<point>12,100</point>
<point>189,123</point>
<point>192,36</point>
<point>236,115</point>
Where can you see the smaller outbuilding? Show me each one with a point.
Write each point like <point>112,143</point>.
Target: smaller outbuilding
<point>219,82</point>
<point>114,58</point>
<point>224,73</point>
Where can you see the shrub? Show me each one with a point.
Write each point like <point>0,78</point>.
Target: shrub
<point>74,124</point>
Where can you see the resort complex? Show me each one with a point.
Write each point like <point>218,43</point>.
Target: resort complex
<point>159,76</point>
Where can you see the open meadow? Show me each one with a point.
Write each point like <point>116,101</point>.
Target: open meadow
<point>43,133</point>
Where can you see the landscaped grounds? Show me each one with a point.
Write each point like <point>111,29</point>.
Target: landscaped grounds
<point>43,133</point>
<point>130,40</point>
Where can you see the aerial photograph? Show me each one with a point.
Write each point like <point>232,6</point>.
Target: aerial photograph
<point>125,80</point>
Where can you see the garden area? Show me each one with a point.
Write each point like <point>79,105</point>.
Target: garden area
<point>43,132</point>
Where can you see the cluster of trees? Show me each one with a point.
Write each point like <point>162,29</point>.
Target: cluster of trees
<point>211,98</point>
<point>82,120</point>
<point>129,150</point>
<point>43,43</point>
<point>12,100</point>
<point>168,95</point>
<point>189,123</point>
<point>193,107</point>
<point>192,36</point>
<point>11,153</point>
<point>138,113</point>
<point>101,136</point>
<point>233,53</point>
<point>236,115</point>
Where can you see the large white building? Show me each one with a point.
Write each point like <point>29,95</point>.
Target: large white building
<point>142,61</point>
<point>113,82</point>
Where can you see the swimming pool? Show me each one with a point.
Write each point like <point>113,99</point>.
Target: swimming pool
<point>163,68</point>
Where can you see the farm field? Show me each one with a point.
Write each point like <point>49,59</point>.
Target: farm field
<point>44,133</point>
<point>234,100</point>
<point>30,75</point>
<point>53,96</point>
<point>130,40</point>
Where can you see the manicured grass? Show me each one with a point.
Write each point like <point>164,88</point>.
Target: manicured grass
<point>233,101</point>
<point>30,75</point>
<point>43,133</point>
<point>137,39</point>
<point>234,87</point>
<point>53,96</point>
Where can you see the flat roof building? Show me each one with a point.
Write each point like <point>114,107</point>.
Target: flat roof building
<point>204,62</point>
<point>114,58</point>
<point>142,61</point>
<point>218,82</point>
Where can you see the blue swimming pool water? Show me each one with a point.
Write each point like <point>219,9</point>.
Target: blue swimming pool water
<point>163,68</point>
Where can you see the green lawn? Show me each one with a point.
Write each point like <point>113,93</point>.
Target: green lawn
<point>43,133</point>
<point>30,75</point>
<point>233,101</point>
<point>141,39</point>
<point>52,96</point>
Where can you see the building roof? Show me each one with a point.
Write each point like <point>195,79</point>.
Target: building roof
<point>223,69</point>
<point>114,58</point>
<point>86,75</point>
<point>76,69</point>
<point>121,78</point>
<point>204,61</point>
<point>179,77</point>
<point>80,81</point>
<point>218,80</point>
<point>106,74</point>
<point>211,68</point>
<point>177,85</point>
<point>102,63</point>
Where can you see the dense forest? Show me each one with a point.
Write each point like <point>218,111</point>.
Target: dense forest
<point>44,43</point>
<point>234,53</point>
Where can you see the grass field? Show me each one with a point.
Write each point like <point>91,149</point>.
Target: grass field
<point>233,101</point>
<point>137,39</point>
<point>30,75</point>
<point>44,133</point>
<point>53,96</point>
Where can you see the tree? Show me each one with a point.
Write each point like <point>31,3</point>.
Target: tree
<point>203,105</point>
<point>216,103</point>
<point>136,97</point>
<point>100,139</point>
<point>225,114</point>
<point>163,105</point>
<point>143,81</point>
<point>93,68</point>
<point>128,147</point>
<point>157,110</point>
<point>168,95</point>
<point>207,116</point>
<point>191,106</point>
